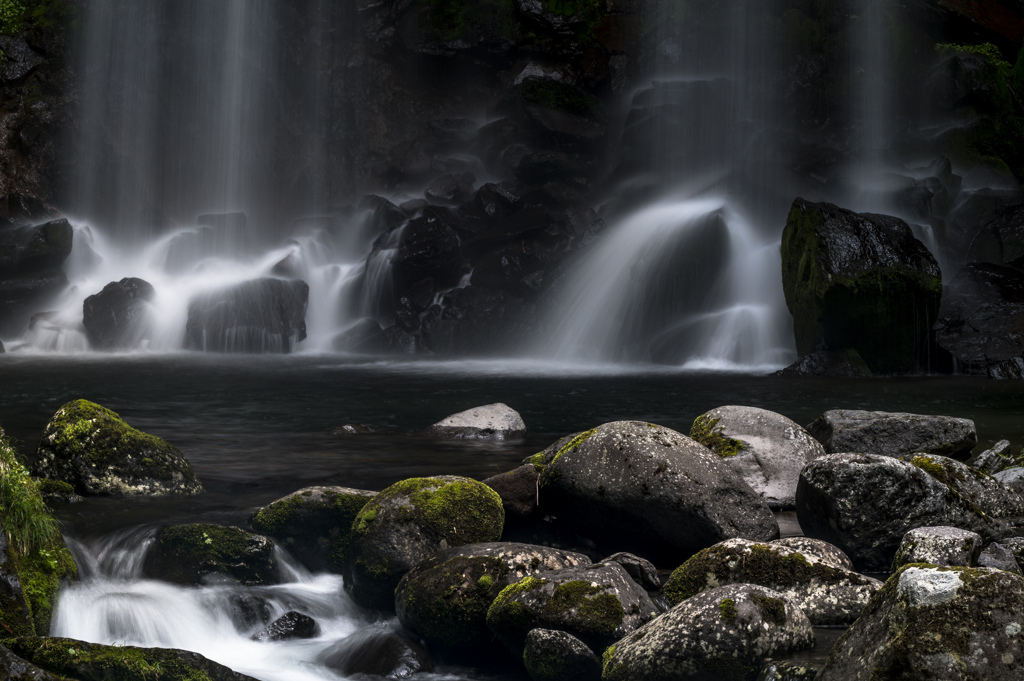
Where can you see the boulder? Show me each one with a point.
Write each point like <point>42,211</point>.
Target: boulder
<point>822,551</point>
<point>998,557</point>
<point>118,316</point>
<point>991,496</point>
<point>893,433</point>
<point>993,460</point>
<point>260,315</point>
<point>979,321</point>
<point>518,489</point>
<point>865,503</point>
<point>249,611</point>
<point>94,450</point>
<point>288,627</point>
<point>376,652</point>
<point>30,268</point>
<point>845,363</point>
<point>14,668</point>
<point>597,604</point>
<point>410,522</point>
<point>647,489</point>
<point>551,655</point>
<point>444,600</point>
<point>827,595</point>
<point>1016,547</point>
<point>935,623</point>
<point>787,671</point>
<point>859,281</point>
<point>938,546</point>
<point>1012,478</point>
<point>450,188</point>
<point>640,569</point>
<point>724,633</point>
<point>766,449</point>
<point>74,659</point>
<point>193,554</point>
<point>472,321</point>
<point>429,248</point>
<point>314,524</point>
<point>491,422</point>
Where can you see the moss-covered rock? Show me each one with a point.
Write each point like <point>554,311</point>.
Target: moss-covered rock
<point>941,546</point>
<point>91,448</point>
<point>552,655</point>
<point>314,524</point>
<point>859,281</point>
<point>444,601</point>
<point>827,594</point>
<point>13,668</point>
<point>724,634</point>
<point>933,622</point>
<point>190,554</point>
<point>94,662</point>
<point>598,604</point>
<point>410,522</point>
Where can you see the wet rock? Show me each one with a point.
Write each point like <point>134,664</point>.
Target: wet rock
<point>518,489</point>
<point>451,189</point>
<point>2,347</point>
<point>314,524</point>
<point>729,630</point>
<point>261,315</point>
<point>249,611</point>
<point>859,281</point>
<point>827,595</point>
<point>410,522</point>
<point>938,546</point>
<point>598,604</point>
<point>74,659</point>
<point>644,488</point>
<point>360,335</point>
<point>353,429</point>
<point>30,268</point>
<point>640,569</point>
<point>893,433</point>
<point>288,627</point>
<point>766,449</point>
<point>998,557</point>
<point>19,58</point>
<point>1016,547</point>
<point>445,599</point>
<point>1012,478</point>
<point>865,503</point>
<point>189,554</point>
<point>988,494</point>
<point>475,321</point>
<point>495,421</point>
<point>510,269</point>
<point>538,167</point>
<point>846,363</point>
<point>564,114</point>
<point>14,668</point>
<point>384,215</point>
<point>551,655</point>
<point>118,316</point>
<point>428,249</point>
<point>787,671</point>
<point>993,460</point>
<point>58,492</point>
<point>94,450</point>
<point>935,623</point>
<point>377,652</point>
<point>979,320</point>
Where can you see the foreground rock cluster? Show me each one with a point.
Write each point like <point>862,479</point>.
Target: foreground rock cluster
<point>611,506</point>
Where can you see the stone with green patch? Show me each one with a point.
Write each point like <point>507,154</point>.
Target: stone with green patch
<point>551,655</point>
<point>941,545</point>
<point>196,553</point>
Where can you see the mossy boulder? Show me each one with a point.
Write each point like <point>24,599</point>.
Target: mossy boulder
<point>598,604</point>
<point>893,433</point>
<point>444,601</point>
<point>92,448</point>
<point>13,668</point>
<point>640,487</point>
<point>988,494</point>
<point>861,281</point>
<point>410,522</point>
<point>552,655</point>
<point>314,524</point>
<point>67,657</point>
<point>197,553</point>
<point>941,546</point>
<point>827,594</point>
<point>724,634</point>
<point>935,623</point>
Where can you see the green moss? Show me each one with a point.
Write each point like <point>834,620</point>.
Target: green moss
<point>364,519</point>
<point>54,487</point>
<point>772,609</point>
<point>457,512</point>
<point>42,573</point>
<point>574,444</point>
<point>537,459</point>
<point>602,613</point>
<point>507,614</point>
<point>27,521</point>
<point>485,582</point>
<point>705,431</point>
<point>183,554</point>
<point>727,608</point>
<point>607,658</point>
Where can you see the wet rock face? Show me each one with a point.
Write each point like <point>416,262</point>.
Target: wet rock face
<point>91,448</point>
<point>893,434</point>
<point>16,669</point>
<point>192,554</point>
<point>865,503</point>
<point>644,488</point>
<point>846,363</point>
<point>938,546</point>
<point>444,600</point>
<point>491,422</point>
<point>766,449</point>
<point>559,656</point>
<point>828,595</point>
<point>935,623</point>
<point>262,315</point>
<point>859,281</point>
<point>30,267</point>
<point>117,317</point>
<point>377,652</point>
<point>724,633</point>
<point>288,627</point>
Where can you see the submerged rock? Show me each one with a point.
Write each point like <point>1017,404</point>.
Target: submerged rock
<point>192,554</point>
<point>261,315</point>
<point>724,633</point>
<point>938,546</point>
<point>491,422</point>
<point>846,363</point>
<point>551,655</point>
<point>410,522</point>
<point>766,449</point>
<point>377,652</point>
<point>118,316</point>
<point>893,433</point>
<point>314,524</point>
<point>288,627</point>
<point>94,450</point>
<point>935,623</point>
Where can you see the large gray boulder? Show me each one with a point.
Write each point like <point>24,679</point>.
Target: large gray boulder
<point>766,449</point>
<point>938,624</point>
<point>1012,478</point>
<point>259,316</point>
<point>118,317</point>
<point>408,523</point>
<point>724,634</point>
<point>444,600</point>
<point>644,488</point>
<point>938,546</point>
<point>827,594</point>
<point>865,503</point>
<point>597,604</point>
<point>893,434</point>
<point>490,422</point>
